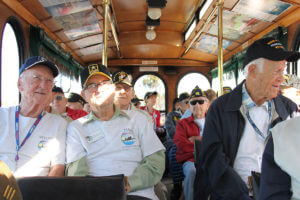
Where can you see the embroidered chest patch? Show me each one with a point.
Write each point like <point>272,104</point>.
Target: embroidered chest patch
<point>127,137</point>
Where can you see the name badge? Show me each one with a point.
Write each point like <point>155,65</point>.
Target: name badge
<point>95,137</point>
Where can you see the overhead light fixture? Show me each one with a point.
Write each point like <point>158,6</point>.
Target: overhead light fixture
<point>204,8</point>
<point>150,34</point>
<point>154,13</point>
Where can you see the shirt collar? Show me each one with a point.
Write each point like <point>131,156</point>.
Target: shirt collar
<point>248,102</point>
<point>117,112</point>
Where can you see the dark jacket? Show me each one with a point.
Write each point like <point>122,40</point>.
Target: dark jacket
<point>171,121</point>
<point>223,130</point>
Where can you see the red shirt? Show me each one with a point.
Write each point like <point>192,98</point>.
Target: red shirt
<point>155,116</point>
<point>185,129</point>
<point>75,114</point>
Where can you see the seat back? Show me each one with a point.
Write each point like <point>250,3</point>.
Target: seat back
<point>73,188</point>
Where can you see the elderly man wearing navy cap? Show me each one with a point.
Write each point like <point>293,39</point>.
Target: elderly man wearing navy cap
<point>238,124</point>
<point>111,141</point>
<point>29,143</point>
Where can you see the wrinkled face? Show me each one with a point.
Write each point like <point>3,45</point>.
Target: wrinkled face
<point>123,94</point>
<point>151,101</point>
<point>59,102</point>
<point>269,80</point>
<point>35,85</point>
<point>199,106</point>
<point>184,105</point>
<point>75,105</point>
<point>99,91</point>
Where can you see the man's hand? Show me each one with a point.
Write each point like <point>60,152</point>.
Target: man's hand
<point>193,138</point>
<point>127,186</point>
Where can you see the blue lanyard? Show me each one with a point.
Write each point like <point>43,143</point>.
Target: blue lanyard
<point>255,127</point>
<point>18,146</point>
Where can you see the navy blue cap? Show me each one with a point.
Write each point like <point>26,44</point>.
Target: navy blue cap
<point>57,89</point>
<point>39,60</point>
<point>149,94</point>
<point>74,97</point>
<point>197,92</point>
<point>183,96</point>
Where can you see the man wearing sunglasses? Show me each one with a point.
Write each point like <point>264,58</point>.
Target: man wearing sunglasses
<point>111,141</point>
<point>59,105</point>
<point>187,131</point>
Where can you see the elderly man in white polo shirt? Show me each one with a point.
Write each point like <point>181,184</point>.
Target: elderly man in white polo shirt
<point>29,143</point>
<point>109,141</point>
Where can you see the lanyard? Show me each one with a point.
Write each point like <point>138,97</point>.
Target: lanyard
<point>18,146</point>
<point>255,127</point>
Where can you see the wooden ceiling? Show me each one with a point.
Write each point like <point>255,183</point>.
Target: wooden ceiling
<point>77,25</point>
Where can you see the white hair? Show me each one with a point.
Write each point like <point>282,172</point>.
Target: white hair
<point>259,63</point>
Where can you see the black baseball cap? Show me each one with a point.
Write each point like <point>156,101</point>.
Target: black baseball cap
<point>57,89</point>
<point>122,77</point>
<point>183,96</point>
<point>74,97</point>
<point>270,49</point>
<point>197,92</point>
<point>39,60</point>
<point>93,69</point>
<point>149,94</point>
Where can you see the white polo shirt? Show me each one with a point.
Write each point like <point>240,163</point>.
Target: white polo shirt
<point>113,147</point>
<point>43,149</point>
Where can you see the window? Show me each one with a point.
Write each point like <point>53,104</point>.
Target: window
<point>10,63</point>
<point>298,62</point>
<point>189,81</point>
<point>150,83</point>
<point>228,80</point>
<point>68,83</point>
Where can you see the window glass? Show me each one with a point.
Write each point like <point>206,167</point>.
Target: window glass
<point>189,81</point>
<point>298,63</point>
<point>68,84</point>
<point>9,67</point>
<point>150,83</point>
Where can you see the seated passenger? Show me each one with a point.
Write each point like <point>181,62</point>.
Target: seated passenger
<point>237,124</point>
<point>32,142</point>
<point>59,105</point>
<point>187,131</point>
<point>109,141</point>
<point>75,101</point>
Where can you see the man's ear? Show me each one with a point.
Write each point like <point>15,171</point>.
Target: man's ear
<point>83,95</point>
<point>20,84</point>
<point>252,69</point>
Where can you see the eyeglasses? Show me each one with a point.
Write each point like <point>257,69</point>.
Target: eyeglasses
<point>58,98</point>
<point>194,102</point>
<point>94,86</point>
<point>38,80</point>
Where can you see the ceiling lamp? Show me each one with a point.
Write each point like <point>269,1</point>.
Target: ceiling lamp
<point>154,13</point>
<point>150,34</point>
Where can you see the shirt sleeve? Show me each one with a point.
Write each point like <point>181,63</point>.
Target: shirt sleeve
<point>58,144</point>
<point>77,168</point>
<point>149,172</point>
<point>275,183</point>
<point>74,147</point>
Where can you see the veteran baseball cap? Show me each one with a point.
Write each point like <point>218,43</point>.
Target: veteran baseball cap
<point>122,77</point>
<point>91,70</point>
<point>197,92</point>
<point>149,94</point>
<point>183,96</point>
<point>270,49</point>
<point>74,97</point>
<point>9,188</point>
<point>39,60</point>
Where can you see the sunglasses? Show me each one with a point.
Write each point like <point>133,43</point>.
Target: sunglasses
<point>58,98</point>
<point>194,102</point>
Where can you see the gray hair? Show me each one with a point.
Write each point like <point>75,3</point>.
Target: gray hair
<point>259,62</point>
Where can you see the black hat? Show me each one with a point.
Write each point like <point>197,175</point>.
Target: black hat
<point>57,89</point>
<point>136,99</point>
<point>122,77</point>
<point>183,96</point>
<point>73,97</point>
<point>270,49</point>
<point>197,92</point>
<point>226,89</point>
<point>39,60</point>
<point>93,69</point>
<point>149,94</point>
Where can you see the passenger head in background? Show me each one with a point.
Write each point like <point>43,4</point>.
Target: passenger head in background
<point>75,101</point>
<point>211,95</point>
<point>150,100</point>
<point>35,84</point>
<point>98,90</point>
<point>175,104</point>
<point>226,89</point>
<point>59,101</point>
<point>198,103</point>
<point>124,91</point>
<point>136,101</point>
<point>184,102</point>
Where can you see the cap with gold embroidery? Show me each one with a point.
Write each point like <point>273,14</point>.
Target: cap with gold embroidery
<point>271,49</point>
<point>122,77</point>
<point>197,92</point>
<point>226,89</point>
<point>91,70</point>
